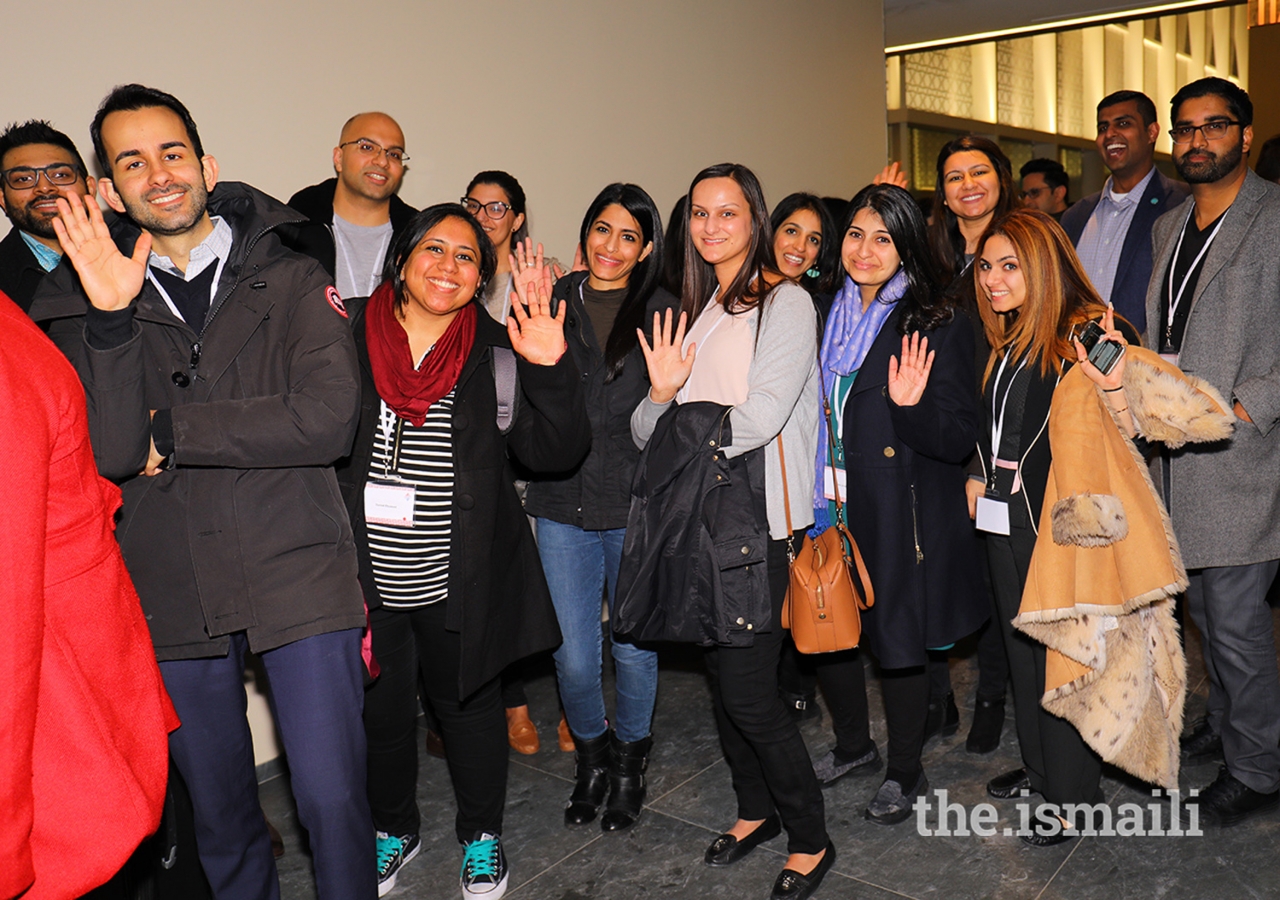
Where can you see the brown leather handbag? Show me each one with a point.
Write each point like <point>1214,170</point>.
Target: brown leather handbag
<point>824,603</point>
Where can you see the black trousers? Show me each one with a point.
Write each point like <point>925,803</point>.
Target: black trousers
<point>474,731</point>
<point>1060,764</point>
<point>767,757</point>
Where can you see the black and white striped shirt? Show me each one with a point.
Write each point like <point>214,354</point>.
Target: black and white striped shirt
<point>411,563</point>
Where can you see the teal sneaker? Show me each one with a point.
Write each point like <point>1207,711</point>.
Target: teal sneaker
<point>393,853</point>
<point>484,867</point>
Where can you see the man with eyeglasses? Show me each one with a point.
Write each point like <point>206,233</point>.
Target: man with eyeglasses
<point>1112,228</point>
<point>38,164</point>
<point>1213,308</point>
<point>1044,187</point>
<point>355,216</point>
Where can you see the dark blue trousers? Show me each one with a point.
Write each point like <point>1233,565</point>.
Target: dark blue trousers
<point>317,693</point>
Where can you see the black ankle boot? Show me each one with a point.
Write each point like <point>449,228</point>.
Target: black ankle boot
<point>943,717</point>
<point>591,774</point>
<point>988,722</point>
<point>627,764</point>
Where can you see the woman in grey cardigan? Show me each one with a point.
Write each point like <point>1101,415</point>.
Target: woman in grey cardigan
<point>751,343</point>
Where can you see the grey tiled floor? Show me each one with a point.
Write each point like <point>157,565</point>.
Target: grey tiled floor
<point>691,801</point>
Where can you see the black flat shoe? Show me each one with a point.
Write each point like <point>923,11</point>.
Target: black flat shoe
<point>1229,801</point>
<point>727,849</point>
<point>1010,784</point>
<point>1036,839</point>
<point>1201,746</point>
<point>791,885</point>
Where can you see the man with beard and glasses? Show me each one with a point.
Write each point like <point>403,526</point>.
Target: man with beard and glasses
<point>38,164</point>
<point>1213,308</point>
<point>354,217</point>
<point>222,384</point>
<point>1112,228</point>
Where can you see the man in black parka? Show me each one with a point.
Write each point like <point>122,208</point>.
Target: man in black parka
<point>222,382</point>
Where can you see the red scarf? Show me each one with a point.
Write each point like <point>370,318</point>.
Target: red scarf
<point>409,391</point>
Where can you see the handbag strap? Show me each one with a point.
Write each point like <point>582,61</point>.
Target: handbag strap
<point>786,500</point>
<point>831,447</point>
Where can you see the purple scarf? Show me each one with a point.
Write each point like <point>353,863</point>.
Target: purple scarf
<point>848,338</point>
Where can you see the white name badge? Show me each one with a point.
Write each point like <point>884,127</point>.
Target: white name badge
<point>388,504</point>
<point>993,516</point>
<point>830,478</point>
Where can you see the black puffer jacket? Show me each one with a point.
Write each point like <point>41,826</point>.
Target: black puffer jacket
<point>596,494</point>
<point>314,237</point>
<point>693,561</point>
<point>247,532</point>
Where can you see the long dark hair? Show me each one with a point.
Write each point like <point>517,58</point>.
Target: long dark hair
<point>923,307</point>
<point>749,287</point>
<point>413,233</point>
<point>828,261</point>
<point>644,277</point>
<point>945,239</point>
<point>515,199</point>
<point>673,246</point>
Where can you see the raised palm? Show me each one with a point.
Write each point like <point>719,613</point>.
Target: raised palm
<point>669,365</point>
<point>909,372</point>
<point>110,279</point>
<point>535,334</point>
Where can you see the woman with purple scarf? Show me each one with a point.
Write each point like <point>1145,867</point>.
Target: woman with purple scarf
<point>897,375</point>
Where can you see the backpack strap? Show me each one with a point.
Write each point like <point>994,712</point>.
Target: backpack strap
<point>503,362</point>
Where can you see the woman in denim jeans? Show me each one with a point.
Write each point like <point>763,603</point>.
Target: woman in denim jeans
<point>582,513</point>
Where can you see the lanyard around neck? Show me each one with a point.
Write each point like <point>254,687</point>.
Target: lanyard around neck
<point>997,419</point>
<point>1174,300</point>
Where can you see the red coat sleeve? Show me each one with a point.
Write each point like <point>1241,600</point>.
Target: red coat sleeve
<point>25,444</point>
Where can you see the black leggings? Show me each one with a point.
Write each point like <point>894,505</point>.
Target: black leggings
<point>474,731</point>
<point>1060,764</point>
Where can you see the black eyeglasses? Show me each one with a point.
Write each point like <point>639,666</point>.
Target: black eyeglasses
<point>25,178</point>
<point>373,148</point>
<point>495,210</point>
<point>1212,131</point>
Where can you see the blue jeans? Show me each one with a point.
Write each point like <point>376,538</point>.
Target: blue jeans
<point>578,563</point>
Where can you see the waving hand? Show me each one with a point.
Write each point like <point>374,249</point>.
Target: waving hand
<point>109,278</point>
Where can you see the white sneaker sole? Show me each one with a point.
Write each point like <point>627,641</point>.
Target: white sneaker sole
<point>494,893</point>
<point>386,887</point>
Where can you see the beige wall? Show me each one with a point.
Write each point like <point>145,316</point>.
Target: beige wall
<point>567,95</point>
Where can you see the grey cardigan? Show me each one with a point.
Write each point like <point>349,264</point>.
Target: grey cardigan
<point>1224,498</point>
<point>782,397</point>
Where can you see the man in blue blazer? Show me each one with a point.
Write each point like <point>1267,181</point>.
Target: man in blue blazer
<point>1112,228</point>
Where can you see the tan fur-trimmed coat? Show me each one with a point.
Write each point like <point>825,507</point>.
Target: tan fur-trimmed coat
<point>1106,566</point>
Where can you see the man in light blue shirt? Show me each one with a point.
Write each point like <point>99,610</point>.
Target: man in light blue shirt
<point>38,164</point>
<point>1112,228</point>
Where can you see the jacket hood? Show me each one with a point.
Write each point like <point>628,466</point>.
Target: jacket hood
<point>316,203</point>
<point>249,211</point>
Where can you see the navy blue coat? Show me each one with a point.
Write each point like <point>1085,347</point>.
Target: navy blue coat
<point>907,507</point>
<point>1129,290</point>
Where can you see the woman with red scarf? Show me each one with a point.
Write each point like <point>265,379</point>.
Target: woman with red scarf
<point>447,561</point>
